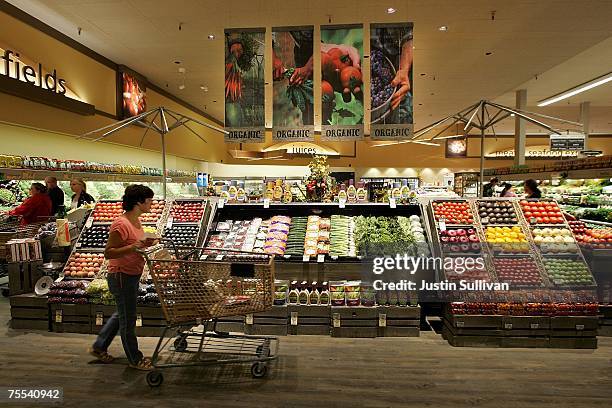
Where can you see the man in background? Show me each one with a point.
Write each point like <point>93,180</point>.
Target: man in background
<point>489,188</point>
<point>55,194</point>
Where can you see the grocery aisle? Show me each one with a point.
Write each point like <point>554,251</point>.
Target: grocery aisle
<point>382,372</point>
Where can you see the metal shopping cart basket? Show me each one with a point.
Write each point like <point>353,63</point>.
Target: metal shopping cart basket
<point>193,294</point>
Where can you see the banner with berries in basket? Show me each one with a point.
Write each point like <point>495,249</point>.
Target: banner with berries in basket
<point>342,109</point>
<point>391,51</point>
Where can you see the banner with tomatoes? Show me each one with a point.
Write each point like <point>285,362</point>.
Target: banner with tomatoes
<point>391,51</point>
<point>342,83</point>
<point>244,85</point>
<point>293,98</point>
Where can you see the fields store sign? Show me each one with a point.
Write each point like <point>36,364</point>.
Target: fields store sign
<point>12,67</point>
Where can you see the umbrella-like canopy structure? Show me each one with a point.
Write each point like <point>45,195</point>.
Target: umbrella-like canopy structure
<point>484,115</point>
<point>161,121</point>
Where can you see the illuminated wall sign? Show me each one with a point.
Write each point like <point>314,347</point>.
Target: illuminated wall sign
<point>535,153</point>
<point>12,67</point>
<point>303,148</point>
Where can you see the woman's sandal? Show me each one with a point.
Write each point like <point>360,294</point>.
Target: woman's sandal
<point>102,356</point>
<point>145,364</point>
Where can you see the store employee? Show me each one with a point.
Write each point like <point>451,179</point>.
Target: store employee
<point>55,194</point>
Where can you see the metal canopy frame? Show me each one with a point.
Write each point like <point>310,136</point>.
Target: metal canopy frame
<point>484,115</point>
<point>158,122</point>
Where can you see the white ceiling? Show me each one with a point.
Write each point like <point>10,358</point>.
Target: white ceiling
<point>562,42</point>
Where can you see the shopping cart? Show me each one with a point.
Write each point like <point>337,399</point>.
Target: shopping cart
<point>193,294</point>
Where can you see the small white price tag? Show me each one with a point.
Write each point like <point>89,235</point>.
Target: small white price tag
<point>508,326</point>
<point>89,222</point>
<point>219,258</point>
<point>266,203</point>
<point>392,203</point>
<point>99,318</point>
<point>139,320</point>
<point>336,319</point>
<point>294,318</point>
<point>382,320</point>
<point>78,245</point>
<point>580,327</point>
<point>342,203</point>
<point>306,258</point>
<point>460,324</point>
<point>169,223</point>
<point>320,258</point>
<point>534,326</point>
<point>221,203</point>
<point>204,257</point>
<point>58,315</point>
<point>442,225</point>
<point>248,319</point>
<point>334,257</point>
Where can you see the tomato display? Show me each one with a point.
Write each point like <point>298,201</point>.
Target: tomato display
<point>600,238</point>
<point>518,271</point>
<point>187,211</point>
<point>453,212</point>
<point>542,212</point>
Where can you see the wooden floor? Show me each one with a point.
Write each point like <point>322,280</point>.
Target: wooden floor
<point>320,371</point>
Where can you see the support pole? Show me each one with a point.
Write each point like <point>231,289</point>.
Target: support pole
<point>585,111</point>
<point>482,153</point>
<point>519,129</point>
<point>164,181</point>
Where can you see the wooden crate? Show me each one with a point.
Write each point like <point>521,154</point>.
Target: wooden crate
<point>150,321</point>
<point>69,318</point>
<point>355,321</point>
<point>309,320</point>
<point>573,342</point>
<point>458,338</point>
<point>476,321</point>
<point>23,276</point>
<point>99,316</point>
<point>396,321</point>
<point>271,322</point>
<point>29,311</point>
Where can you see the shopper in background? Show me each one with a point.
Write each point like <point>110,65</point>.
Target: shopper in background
<point>531,189</point>
<point>36,208</point>
<point>80,196</point>
<point>489,188</point>
<point>125,267</point>
<point>56,195</point>
<point>508,190</point>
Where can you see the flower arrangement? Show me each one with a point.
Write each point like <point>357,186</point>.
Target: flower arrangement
<point>319,182</point>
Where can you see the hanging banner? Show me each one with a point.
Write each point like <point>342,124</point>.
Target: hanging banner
<point>391,49</point>
<point>293,99</point>
<point>342,83</point>
<point>244,85</point>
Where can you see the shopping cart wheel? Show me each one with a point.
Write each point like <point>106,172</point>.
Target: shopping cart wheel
<point>180,344</point>
<point>258,370</point>
<point>155,378</point>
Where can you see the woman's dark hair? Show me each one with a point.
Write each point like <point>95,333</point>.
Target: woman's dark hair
<point>507,186</point>
<point>531,184</point>
<point>135,194</point>
<point>40,187</point>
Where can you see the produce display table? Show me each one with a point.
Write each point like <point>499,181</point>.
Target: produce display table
<point>29,311</point>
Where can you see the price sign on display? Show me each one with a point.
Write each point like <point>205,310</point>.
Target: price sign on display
<point>169,223</point>
<point>342,203</point>
<point>336,319</point>
<point>89,222</point>
<point>248,319</point>
<point>99,318</point>
<point>392,203</point>
<point>442,225</point>
<point>221,203</point>
<point>219,258</point>
<point>382,320</point>
<point>204,257</point>
<point>306,258</point>
<point>139,320</point>
<point>266,203</point>
<point>294,318</point>
<point>58,315</point>
<point>320,258</point>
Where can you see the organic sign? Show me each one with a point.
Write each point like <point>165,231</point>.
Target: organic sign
<point>342,83</point>
<point>391,80</point>
<point>244,85</point>
<point>292,74</point>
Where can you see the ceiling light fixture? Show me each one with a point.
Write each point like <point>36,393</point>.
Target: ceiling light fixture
<point>182,86</point>
<point>211,36</point>
<point>204,88</point>
<point>391,10</point>
<point>443,28</point>
<point>577,89</point>
<point>488,53</point>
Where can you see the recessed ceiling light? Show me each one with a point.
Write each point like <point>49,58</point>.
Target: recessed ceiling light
<point>181,87</point>
<point>443,28</point>
<point>177,62</point>
<point>489,53</point>
<point>423,74</point>
<point>211,36</point>
<point>391,10</point>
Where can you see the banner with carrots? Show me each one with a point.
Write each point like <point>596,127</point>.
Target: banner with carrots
<point>244,85</point>
<point>342,83</point>
<point>292,75</point>
<point>391,116</point>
